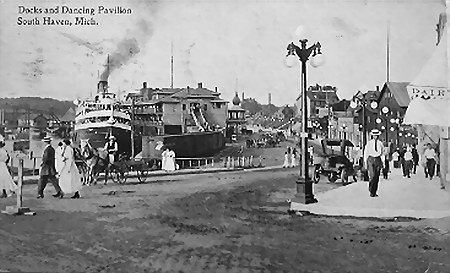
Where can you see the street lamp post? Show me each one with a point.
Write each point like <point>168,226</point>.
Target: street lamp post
<point>304,183</point>
<point>363,102</point>
<point>385,110</point>
<point>397,122</point>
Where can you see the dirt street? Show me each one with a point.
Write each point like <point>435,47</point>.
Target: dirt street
<point>223,222</point>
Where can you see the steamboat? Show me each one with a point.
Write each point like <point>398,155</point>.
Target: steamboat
<point>100,117</point>
<point>191,121</point>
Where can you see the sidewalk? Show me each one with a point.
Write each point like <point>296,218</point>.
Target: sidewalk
<point>33,179</point>
<point>415,197</point>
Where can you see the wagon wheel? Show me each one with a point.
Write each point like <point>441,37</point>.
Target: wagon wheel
<point>142,174</point>
<point>332,177</point>
<point>119,175</point>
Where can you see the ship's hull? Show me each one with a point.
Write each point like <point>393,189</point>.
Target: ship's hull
<point>191,145</point>
<point>99,136</point>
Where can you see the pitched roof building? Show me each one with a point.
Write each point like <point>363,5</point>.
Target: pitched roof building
<point>396,93</point>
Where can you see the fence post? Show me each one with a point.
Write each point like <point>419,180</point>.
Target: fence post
<point>251,161</point>
<point>190,163</point>
<point>199,165</point>
<point>212,163</point>
<point>20,183</point>
<point>260,161</point>
<point>243,162</point>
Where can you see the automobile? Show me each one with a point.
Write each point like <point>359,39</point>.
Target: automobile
<point>333,162</point>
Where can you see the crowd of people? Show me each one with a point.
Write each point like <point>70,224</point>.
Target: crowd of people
<point>380,158</point>
<point>57,167</point>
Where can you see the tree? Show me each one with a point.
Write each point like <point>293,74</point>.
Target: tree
<point>288,112</point>
<point>251,105</point>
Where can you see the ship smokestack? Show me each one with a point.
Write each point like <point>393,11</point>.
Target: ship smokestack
<point>102,86</point>
<point>144,85</point>
<point>200,85</point>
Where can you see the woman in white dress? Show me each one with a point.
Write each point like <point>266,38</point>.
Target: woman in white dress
<point>7,185</point>
<point>164,156</point>
<point>59,157</point>
<point>286,160</point>
<point>170,163</point>
<point>69,178</point>
<point>293,155</point>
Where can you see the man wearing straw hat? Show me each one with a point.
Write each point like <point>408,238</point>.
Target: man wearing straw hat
<point>373,161</point>
<point>48,170</point>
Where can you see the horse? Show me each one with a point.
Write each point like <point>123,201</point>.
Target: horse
<point>95,162</point>
<point>81,165</point>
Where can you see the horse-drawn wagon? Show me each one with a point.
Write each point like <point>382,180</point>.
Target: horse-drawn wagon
<point>92,162</point>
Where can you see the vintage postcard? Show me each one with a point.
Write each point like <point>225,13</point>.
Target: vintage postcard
<point>224,136</point>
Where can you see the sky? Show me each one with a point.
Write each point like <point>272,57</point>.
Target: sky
<point>234,45</point>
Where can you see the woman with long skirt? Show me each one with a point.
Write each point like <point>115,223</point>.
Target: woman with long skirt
<point>170,164</point>
<point>7,185</point>
<point>164,158</point>
<point>70,178</point>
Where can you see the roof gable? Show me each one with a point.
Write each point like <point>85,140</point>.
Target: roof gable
<point>341,106</point>
<point>69,115</point>
<point>398,91</point>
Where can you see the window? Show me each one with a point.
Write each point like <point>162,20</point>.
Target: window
<point>184,106</point>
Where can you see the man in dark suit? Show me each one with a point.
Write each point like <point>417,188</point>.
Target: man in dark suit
<point>48,171</point>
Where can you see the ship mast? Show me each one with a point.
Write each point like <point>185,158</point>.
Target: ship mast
<point>171,64</point>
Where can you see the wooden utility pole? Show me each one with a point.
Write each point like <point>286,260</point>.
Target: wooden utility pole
<point>132,126</point>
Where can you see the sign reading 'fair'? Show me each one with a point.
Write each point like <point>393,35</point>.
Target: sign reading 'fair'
<point>426,92</point>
